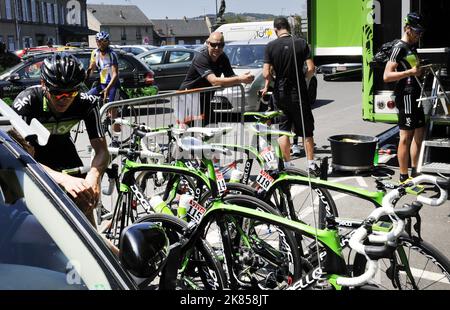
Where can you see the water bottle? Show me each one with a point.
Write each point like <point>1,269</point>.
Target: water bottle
<point>236,176</point>
<point>183,205</point>
<point>159,205</point>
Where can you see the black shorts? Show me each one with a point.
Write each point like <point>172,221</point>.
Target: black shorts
<point>292,118</point>
<point>410,115</point>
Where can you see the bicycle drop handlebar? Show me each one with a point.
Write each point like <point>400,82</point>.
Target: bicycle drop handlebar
<point>364,232</point>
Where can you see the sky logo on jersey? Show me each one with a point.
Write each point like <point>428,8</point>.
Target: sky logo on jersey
<point>20,103</point>
<point>61,128</point>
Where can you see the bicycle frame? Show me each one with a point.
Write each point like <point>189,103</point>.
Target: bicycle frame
<point>334,264</point>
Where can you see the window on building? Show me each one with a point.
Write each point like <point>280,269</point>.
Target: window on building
<point>26,10</point>
<point>50,14</point>
<point>56,12</point>
<point>11,43</point>
<point>8,8</point>
<point>63,15</point>
<point>19,10</point>
<point>27,42</point>
<point>44,12</point>
<point>138,34</point>
<point>34,15</point>
<point>123,33</point>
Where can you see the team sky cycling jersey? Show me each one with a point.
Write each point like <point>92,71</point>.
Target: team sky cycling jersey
<point>104,63</point>
<point>406,57</point>
<point>32,103</point>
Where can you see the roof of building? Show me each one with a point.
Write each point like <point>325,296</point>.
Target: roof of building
<point>180,27</point>
<point>123,15</point>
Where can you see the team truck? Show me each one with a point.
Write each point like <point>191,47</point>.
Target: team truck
<point>335,35</point>
<point>383,21</point>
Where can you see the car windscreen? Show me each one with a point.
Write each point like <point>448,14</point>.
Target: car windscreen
<point>38,248</point>
<point>249,56</point>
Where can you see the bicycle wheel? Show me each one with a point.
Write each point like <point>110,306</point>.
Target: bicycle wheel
<point>256,254</point>
<point>295,200</point>
<point>415,265</point>
<point>200,269</point>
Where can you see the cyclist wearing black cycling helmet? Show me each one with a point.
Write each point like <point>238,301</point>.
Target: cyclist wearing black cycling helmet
<point>59,105</point>
<point>403,67</point>
<point>105,60</point>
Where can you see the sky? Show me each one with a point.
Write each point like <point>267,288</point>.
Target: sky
<point>176,9</point>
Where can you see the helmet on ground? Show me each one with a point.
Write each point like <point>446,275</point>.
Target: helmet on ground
<point>415,21</point>
<point>102,35</point>
<point>62,72</point>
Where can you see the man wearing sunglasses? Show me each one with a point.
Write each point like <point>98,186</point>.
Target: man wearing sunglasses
<point>105,60</point>
<point>59,105</point>
<point>403,67</point>
<point>206,70</point>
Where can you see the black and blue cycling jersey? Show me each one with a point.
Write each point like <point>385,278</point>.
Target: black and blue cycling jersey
<point>60,152</point>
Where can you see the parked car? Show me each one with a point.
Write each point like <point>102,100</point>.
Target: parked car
<point>170,65</point>
<point>133,73</point>
<point>46,243</point>
<point>134,49</point>
<point>248,56</point>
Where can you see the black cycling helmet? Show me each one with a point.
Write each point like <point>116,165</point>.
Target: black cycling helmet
<point>415,21</point>
<point>62,72</point>
<point>143,249</point>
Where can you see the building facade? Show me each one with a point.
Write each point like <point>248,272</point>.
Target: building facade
<point>28,23</point>
<point>126,24</point>
<point>180,31</point>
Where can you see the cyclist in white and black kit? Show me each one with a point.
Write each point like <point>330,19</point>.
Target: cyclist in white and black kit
<point>403,67</point>
<point>59,105</point>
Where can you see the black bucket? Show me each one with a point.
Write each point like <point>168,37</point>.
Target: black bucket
<point>353,152</point>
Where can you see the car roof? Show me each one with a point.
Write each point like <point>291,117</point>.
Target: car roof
<point>251,41</point>
<point>166,49</point>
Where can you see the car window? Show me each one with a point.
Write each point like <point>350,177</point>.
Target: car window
<point>154,58</point>
<point>36,241</point>
<point>180,56</point>
<point>31,71</point>
<point>251,56</point>
<point>136,50</point>
<point>84,59</point>
<point>125,65</point>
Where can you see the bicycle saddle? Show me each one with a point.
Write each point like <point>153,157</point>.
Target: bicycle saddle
<point>264,130</point>
<point>191,144</point>
<point>209,132</point>
<point>264,116</point>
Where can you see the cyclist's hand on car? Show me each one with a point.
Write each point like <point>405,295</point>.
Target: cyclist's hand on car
<point>81,191</point>
<point>93,184</point>
<point>247,78</point>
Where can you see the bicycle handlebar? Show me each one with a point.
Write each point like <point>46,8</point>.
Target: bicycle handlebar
<point>362,233</point>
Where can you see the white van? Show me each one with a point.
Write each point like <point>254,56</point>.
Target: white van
<point>247,31</point>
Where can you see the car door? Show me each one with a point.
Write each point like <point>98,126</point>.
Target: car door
<point>27,75</point>
<point>155,60</point>
<point>177,65</point>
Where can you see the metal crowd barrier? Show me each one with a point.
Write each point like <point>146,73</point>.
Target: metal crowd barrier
<point>186,108</point>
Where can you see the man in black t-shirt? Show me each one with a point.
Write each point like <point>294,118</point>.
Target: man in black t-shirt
<point>58,105</point>
<point>403,67</point>
<point>206,70</point>
<point>279,57</point>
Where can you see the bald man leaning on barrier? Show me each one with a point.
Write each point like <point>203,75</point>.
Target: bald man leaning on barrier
<point>206,70</point>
